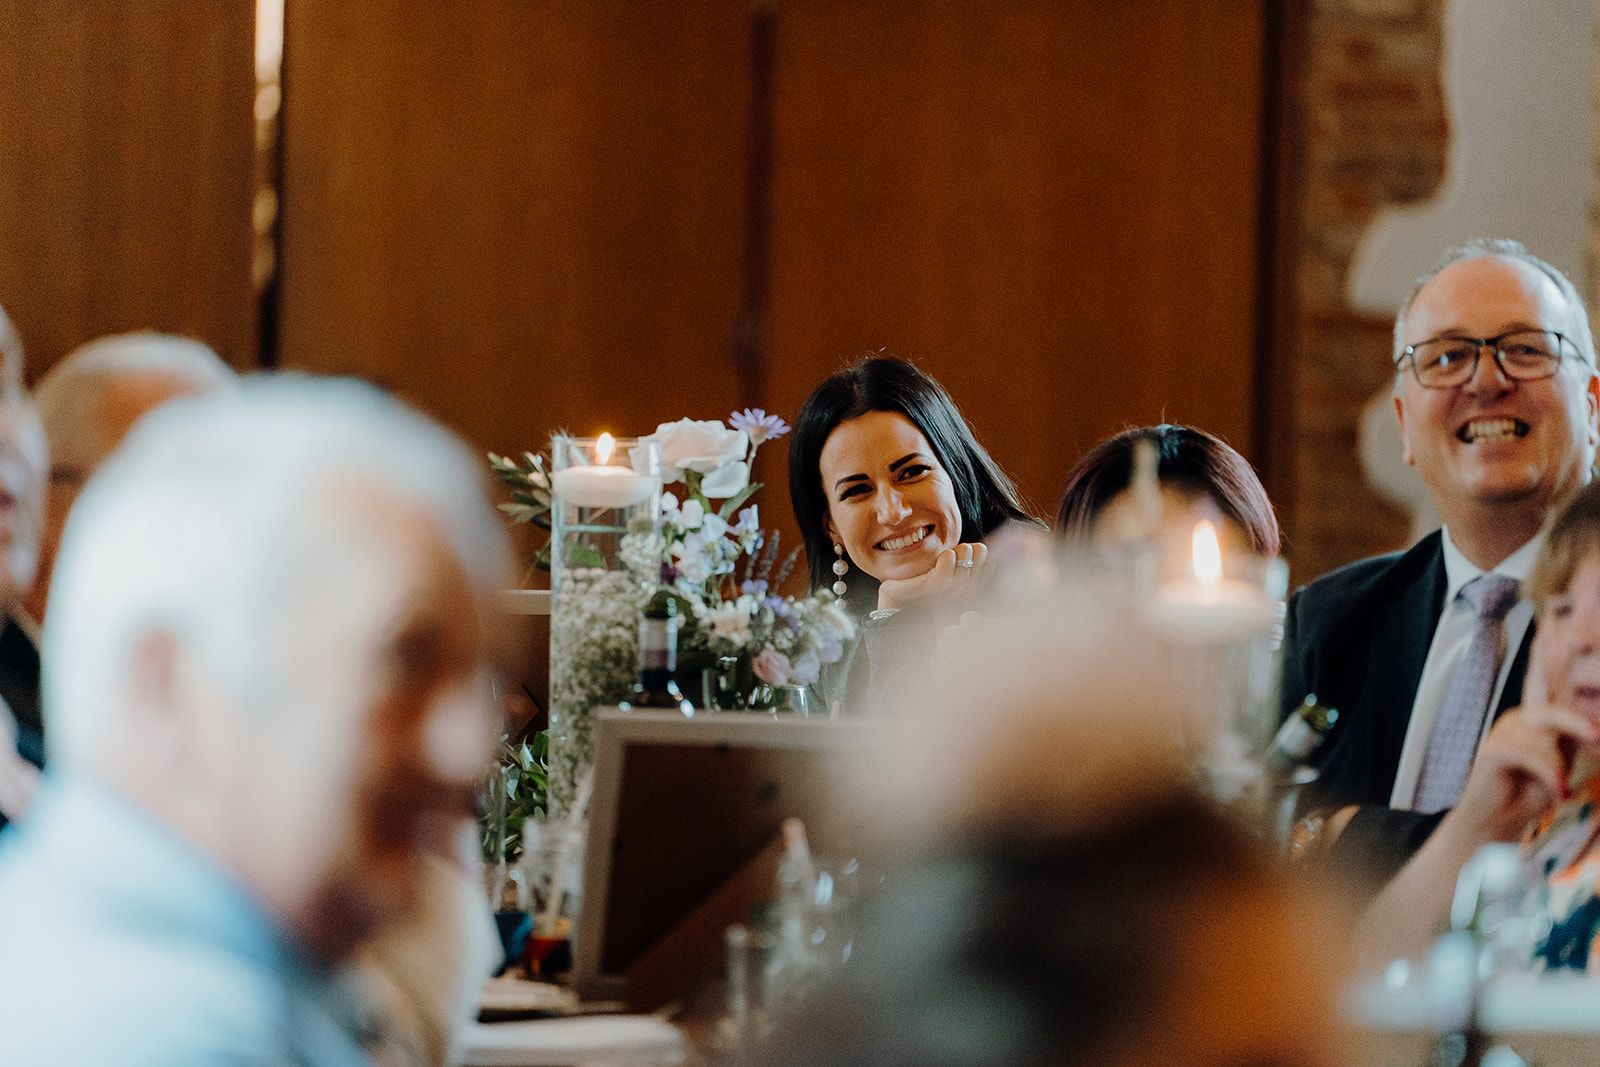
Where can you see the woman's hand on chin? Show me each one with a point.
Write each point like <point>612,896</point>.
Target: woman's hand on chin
<point>957,571</point>
<point>1520,772</point>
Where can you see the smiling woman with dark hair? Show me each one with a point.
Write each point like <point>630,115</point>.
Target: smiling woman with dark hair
<point>895,498</point>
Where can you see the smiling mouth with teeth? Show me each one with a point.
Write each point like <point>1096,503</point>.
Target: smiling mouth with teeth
<point>1488,431</point>
<point>894,544</point>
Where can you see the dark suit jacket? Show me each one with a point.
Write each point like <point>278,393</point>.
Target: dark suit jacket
<point>19,687</point>
<point>1358,638</point>
<point>19,678</point>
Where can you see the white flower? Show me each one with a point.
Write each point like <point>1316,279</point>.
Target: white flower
<point>669,507</point>
<point>726,481</point>
<point>731,621</point>
<point>694,563</point>
<point>692,514</point>
<point>702,446</point>
<point>836,617</point>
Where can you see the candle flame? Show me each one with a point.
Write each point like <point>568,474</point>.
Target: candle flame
<point>1207,553</point>
<point>603,449</point>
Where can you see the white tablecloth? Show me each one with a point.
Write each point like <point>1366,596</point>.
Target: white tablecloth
<point>591,1041</point>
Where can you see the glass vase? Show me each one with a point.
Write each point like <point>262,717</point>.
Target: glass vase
<point>1220,611</point>
<point>727,685</point>
<point>605,556</point>
<point>783,699</point>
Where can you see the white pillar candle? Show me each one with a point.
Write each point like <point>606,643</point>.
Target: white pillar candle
<point>603,485</point>
<point>1207,608</point>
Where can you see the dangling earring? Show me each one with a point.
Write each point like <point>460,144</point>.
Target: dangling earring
<point>840,569</point>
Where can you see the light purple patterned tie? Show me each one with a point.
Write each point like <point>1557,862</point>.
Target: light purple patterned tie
<point>1460,723</point>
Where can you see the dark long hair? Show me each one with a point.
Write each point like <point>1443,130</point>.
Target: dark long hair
<point>985,496</point>
<point>1186,457</point>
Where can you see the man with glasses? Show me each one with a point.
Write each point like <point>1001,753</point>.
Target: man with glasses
<point>1498,400</point>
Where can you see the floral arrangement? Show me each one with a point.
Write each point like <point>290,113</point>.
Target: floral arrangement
<point>595,637</point>
<point>709,549</point>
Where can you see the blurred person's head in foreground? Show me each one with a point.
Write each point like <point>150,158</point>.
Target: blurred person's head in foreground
<point>1059,887</point>
<point>270,629</point>
<point>1197,473</point>
<point>91,399</point>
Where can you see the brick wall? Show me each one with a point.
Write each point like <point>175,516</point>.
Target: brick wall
<point>1367,127</point>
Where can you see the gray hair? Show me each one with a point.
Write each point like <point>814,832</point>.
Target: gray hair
<point>196,525</point>
<point>1483,247</point>
<point>70,395</point>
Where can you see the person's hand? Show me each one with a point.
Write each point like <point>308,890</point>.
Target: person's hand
<point>1520,772</point>
<point>959,570</point>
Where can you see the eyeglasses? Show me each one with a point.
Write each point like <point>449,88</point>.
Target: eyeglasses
<point>1522,355</point>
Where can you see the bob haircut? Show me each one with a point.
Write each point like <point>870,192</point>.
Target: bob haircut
<point>1572,537</point>
<point>985,495</point>
<point>1187,458</point>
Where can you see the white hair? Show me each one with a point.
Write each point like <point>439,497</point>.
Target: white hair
<point>1483,247</point>
<point>71,394</point>
<point>192,529</point>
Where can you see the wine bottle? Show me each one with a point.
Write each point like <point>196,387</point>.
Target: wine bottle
<point>658,657</point>
<point>1289,767</point>
<point>1301,734</point>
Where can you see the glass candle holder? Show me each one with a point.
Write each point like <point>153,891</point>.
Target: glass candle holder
<point>1221,609</point>
<point>605,557</point>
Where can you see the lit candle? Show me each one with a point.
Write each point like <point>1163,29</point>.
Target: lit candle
<point>1208,608</point>
<point>603,485</point>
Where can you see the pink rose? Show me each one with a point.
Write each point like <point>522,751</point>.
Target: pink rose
<point>772,667</point>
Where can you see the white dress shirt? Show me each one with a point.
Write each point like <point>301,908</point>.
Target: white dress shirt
<point>1450,641</point>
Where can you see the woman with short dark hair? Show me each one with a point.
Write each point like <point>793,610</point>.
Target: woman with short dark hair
<point>1190,464</point>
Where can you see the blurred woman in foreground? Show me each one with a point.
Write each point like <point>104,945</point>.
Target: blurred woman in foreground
<point>1055,889</point>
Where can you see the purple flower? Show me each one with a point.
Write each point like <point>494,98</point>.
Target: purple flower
<point>669,574</point>
<point>754,587</point>
<point>758,424</point>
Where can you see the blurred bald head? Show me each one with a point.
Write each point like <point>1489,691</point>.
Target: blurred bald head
<point>93,397</point>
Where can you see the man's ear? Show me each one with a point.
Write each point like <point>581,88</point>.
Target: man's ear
<point>1405,438</point>
<point>156,734</point>
<point>155,705</point>
<point>153,672</point>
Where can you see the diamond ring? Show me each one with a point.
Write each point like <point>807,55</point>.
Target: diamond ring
<point>963,563</point>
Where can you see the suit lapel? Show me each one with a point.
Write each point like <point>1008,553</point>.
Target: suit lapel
<point>1403,630</point>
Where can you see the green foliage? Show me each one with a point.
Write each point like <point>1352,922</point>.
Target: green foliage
<point>519,789</point>
<point>529,481</point>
